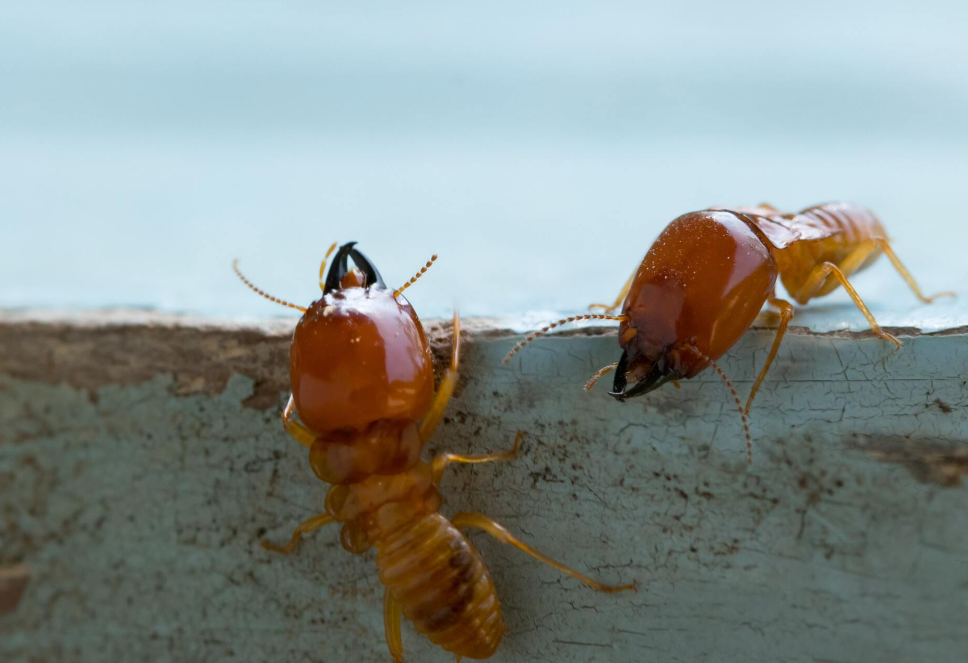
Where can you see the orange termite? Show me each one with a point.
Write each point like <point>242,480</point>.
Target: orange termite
<point>706,277</point>
<point>362,382</point>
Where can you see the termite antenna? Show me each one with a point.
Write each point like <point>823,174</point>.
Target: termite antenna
<point>594,380</point>
<point>235,267</point>
<point>739,406</point>
<point>544,330</point>
<point>416,276</point>
<point>322,266</point>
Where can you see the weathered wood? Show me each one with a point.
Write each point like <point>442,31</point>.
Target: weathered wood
<point>140,465</point>
<point>13,580</point>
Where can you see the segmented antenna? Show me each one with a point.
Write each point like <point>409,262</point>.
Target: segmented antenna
<point>608,369</point>
<point>322,266</point>
<point>739,406</point>
<point>235,267</point>
<point>415,276</point>
<point>544,330</point>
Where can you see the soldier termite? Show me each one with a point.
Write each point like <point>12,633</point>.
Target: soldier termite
<point>362,382</point>
<point>706,277</point>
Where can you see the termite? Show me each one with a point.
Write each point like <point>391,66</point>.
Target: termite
<point>363,403</point>
<point>707,276</point>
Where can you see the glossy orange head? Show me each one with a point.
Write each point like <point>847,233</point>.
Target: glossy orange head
<point>359,354</point>
<point>699,287</point>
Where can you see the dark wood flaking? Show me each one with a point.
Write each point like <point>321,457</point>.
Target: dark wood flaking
<point>13,581</point>
<point>942,462</point>
<point>200,359</point>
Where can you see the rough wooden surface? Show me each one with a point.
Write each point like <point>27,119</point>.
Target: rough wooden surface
<point>141,463</point>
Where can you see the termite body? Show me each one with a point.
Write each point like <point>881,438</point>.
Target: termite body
<point>362,381</point>
<point>709,273</point>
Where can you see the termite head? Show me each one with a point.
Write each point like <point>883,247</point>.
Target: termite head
<point>342,277</point>
<point>697,290</point>
<point>645,376</point>
<point>359,354</point>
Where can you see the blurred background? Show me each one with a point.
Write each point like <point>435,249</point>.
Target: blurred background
<point>537,147</point>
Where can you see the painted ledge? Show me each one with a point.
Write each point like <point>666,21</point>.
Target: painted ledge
<point>141,460</point>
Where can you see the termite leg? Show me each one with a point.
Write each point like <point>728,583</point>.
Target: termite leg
<point>440,463</point>
<point>786,312</point>
<point>848,266</point>
<point>594,379</point>
<point>618,300</point>
<point>821,272</point>
<point>392,614</point>
<point>906,275</point>
<point>447,385</point>
<point>495,529</point>
<point>304,527</point>
<point>857,257</point>
<point>300,433</point>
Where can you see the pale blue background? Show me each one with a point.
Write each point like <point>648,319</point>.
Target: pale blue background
<point>538,147</point>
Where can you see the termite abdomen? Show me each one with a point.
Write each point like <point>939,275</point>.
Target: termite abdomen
<point>443,586</point>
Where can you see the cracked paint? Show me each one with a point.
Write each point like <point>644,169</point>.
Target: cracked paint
<point>136,484</point>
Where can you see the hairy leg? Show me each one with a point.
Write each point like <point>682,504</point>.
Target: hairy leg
<point>300,433</point>
<point>817,277</point>
<point>906,275</point>
<point>392,614</point>
<point>495,529</point>
<point>786,313</point>
<point>440,463</point>
<point>618,300</point>
<point>304,527</point>
<point>446,390</point>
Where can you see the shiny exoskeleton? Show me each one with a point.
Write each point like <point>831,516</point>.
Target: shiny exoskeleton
<point>363,389</point>
<point>704,280</point>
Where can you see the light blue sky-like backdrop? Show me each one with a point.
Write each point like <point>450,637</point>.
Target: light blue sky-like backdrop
<point>538,147</point>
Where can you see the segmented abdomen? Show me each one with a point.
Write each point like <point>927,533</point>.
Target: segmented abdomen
<point>842,227</point>
<point>441,582</point>
<point>853,223</point>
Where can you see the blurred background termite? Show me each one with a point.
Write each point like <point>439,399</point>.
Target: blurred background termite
<point>707,276</point>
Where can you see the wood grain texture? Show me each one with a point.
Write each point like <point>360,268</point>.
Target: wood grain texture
<point>141,463</point>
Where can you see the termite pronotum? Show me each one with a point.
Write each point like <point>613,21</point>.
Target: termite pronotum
<point>363,389</point>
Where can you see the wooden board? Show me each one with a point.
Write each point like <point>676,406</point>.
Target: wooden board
<point>140,464</point>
